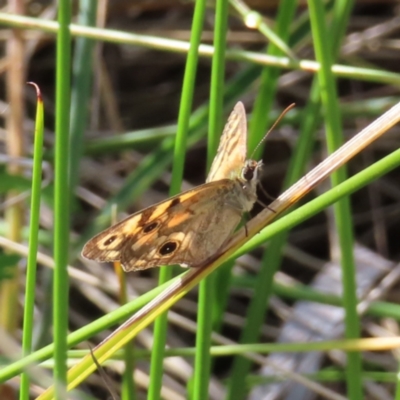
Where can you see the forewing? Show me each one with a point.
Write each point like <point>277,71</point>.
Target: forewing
<point>232,149</point>
<point>186,229</point>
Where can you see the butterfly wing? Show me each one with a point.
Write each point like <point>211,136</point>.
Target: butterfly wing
<point>191,227</point>
<point>186,229</point>
<point>232,149</point>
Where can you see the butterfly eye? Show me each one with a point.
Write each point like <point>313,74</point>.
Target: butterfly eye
<point>150,227</point>
<point>249,170</point>
<point>168,248</point>
<point>248,174</point>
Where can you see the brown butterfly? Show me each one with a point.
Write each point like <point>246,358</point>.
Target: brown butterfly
<point>190,228</point>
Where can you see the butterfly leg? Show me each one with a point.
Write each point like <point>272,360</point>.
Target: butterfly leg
<point>265,206</point>
<point>266,194</point>
<point>246,230</point>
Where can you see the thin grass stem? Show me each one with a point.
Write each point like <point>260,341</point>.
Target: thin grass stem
<point>61,198</point>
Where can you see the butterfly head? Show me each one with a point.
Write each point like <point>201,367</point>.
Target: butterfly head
<point>246,193</point>
<point>250,172</point>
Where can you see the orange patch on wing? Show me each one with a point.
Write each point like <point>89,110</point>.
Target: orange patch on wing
<point>178,219</point>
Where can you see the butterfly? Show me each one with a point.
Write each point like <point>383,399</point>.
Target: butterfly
<point>190,228</point>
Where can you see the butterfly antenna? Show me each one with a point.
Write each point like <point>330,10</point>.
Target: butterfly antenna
<point>103,375</point>
<point>283,113</point>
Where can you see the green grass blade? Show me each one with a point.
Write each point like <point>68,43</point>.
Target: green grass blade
<point>128,388</point>
<point>81,89</point>
<point>61,198</point>
<point>261,115</point>
<point>217,80</point>
<point>255,20</point>
<point>28,324</point>
<point>160,328</point>
<point>207,287</point>
<point>113,36</point>
<point>373,344</point>
<point>263,104</point>
<point>397,395</point>
<point>342,210</point>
